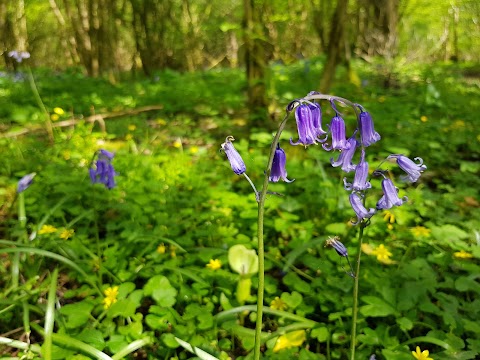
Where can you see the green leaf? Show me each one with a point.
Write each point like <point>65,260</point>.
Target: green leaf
<point>78,314</point>
<point>124,307</point>
<point>292,300</point>
<point>321,334</point>
<point>376,307</point>
<point>161,291</point>
<point>92,337</point>
<point>405,323</point>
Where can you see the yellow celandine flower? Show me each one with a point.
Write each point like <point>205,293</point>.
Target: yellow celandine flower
<point>54,117</point>
<point>423,118</point>
<point>420,231</point>
<point>161,249</point>
<point>278,304</point>
<point>462,254</point>
<point>177,144</point>
<point>194,150</point>
<point>132,127</point>
<point>111,294</point>
<point>47,229</point>
<point>291,339</point>
<point>382,254</point>
<point>421,355</point>
<point>58,111</point>
<point>214,264</point>
<point>67,234</point>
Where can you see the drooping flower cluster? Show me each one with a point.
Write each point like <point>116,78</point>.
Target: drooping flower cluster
<point>362,137</point>
<point>308,116</point>
<point>103,171</point>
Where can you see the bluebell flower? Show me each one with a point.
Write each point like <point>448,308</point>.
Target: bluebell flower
<point>413,170</point>
<point>19,55</point>
<point>367,132</point>
<point>337,131</point>
<point>360,182</point>
<point>236,161</point>
<point>337,245</point>
<point>278,166</point>
<point>345,158</point>
<point>103,172</point>
<point>309,126</point>
<point>359,208</point>
<point>25,182</point>
<point>390,196</point>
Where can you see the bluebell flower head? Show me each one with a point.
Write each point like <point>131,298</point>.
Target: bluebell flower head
<point>278,166</point>
<point>390,196</point>
<point>337,131</point>
<point>345,158</point>
<point>317,119</point>
<point>19,55</point>
<point>367,132</point>
<point>412,170</point>
<point>359,208</point>
<point>360,182</point>
<point>25,182</point>
<point>103,172</point>
<point>308,118</point>
<point>337,245</point>
<point>236,161</point>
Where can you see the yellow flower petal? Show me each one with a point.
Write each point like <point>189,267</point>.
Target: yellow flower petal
<point>47,229</point>
<point>214,264</point>
<point>291,339</point>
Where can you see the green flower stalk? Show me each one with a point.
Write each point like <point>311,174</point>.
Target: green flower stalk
<point>245,263</point>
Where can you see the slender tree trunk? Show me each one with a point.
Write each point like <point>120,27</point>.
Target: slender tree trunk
<point>254,61</point>
<point>335,46</point>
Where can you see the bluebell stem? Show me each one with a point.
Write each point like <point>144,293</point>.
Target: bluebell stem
<point>390,195</point>
<point>413,170</point>
<point>368,134</point>
<point>360,182</point>
<point>103,172</point>
<point>359,208</point>
<point>25,182</point>
<point>236,161</point>
<point>337,131</point>
<point>278,166</point>
<point>19,55</point>
<point>345,158</point>
<point>308,117</point>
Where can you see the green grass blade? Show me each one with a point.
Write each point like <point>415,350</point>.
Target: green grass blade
<point>19,344</point>
<point>50,317</point>
<point>55,256</point>
<point>135,345</point>
<point>196,351</point>
<point>68,342</point>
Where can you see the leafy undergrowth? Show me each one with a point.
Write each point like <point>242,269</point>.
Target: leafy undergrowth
<point>132,261</point>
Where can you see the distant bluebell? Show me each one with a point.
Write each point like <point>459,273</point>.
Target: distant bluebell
<point>236,161</point>
<point>360,182</point>
<point>390,196</point>
<point>279,170</point>
<point>368,134</point>
<point>25,182</point>
<point>103,171</point>
<point>345,158</point>
<point>19,55</point>
<point>413,170</point>
<point>357,205</point>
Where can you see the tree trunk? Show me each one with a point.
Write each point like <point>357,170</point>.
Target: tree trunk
<point>254,61</point>
<point>335,45</point>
